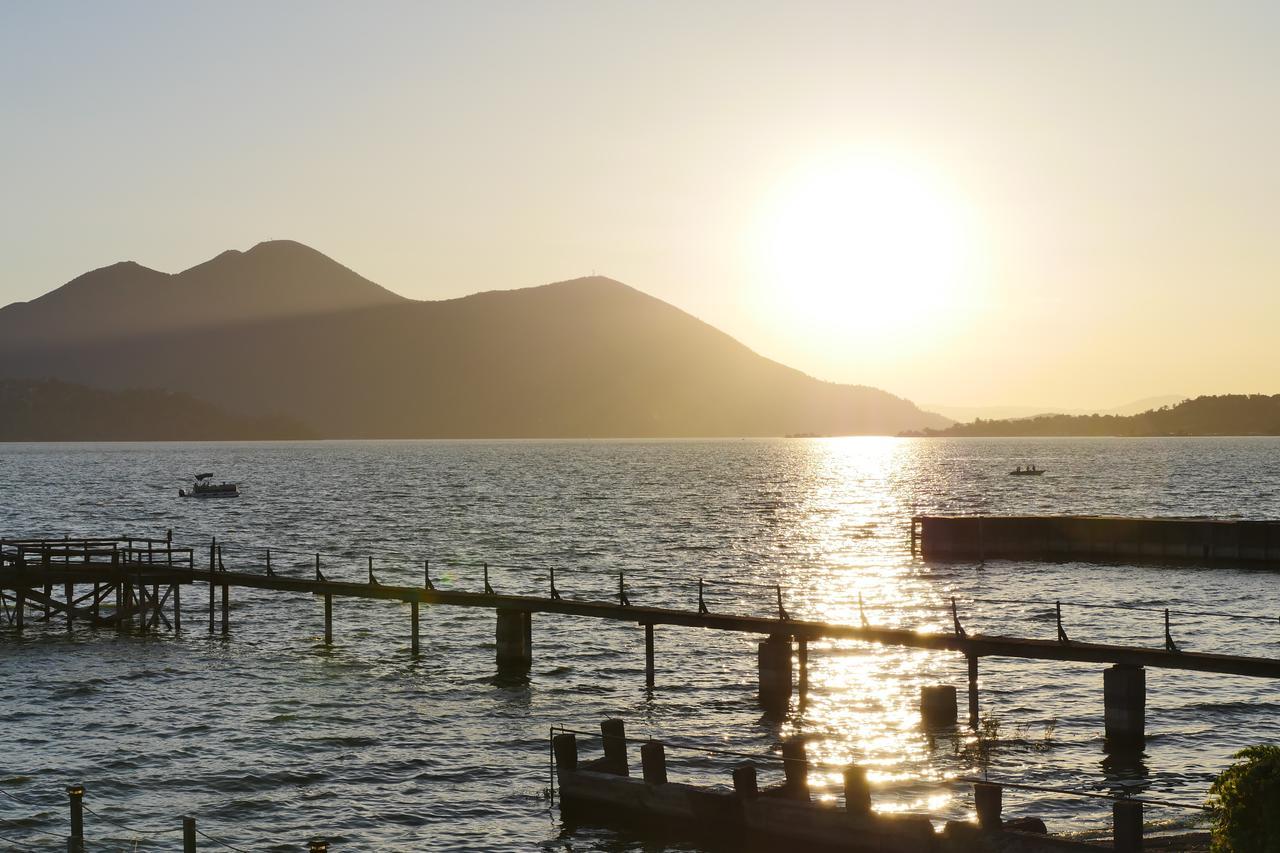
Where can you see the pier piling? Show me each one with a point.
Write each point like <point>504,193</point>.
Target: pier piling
<point>653,762</point>
<point>988,802</point>
<point>1124,691</point>
<point>795,765</point>
<point>188,835</point>
<point>973,691</point>
<point>648,655</point>
<point>938,706</point>
<point>857,793</point>
<point>565,748</point>
<point>774,661</point>
<point>745,783</point>
<point>614,735</point>
<point>514,639</point>
<point>328,620</point>
<point>413,634</point>
<point>1126,823</point>
<point>75,798</point>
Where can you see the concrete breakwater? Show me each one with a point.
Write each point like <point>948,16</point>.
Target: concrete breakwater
<point>1074,537</point>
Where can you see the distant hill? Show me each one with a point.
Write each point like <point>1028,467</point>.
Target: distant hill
<point>283,329</point>
<point>1002,413</point>
<point>57,411</point>
<point>1229,414</point>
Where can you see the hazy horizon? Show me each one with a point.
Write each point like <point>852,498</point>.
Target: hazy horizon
<point>997,205</point>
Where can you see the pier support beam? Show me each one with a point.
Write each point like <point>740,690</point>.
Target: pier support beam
<point>774,660</point>
<point>515,639</point>
<point>802,659</point>
<point>69,590</point>
<point>1126,826</point>
<point>857,793</point>
<point>648,655</point>
<point>413,633</point>
<point>973,692</point>
<point>613,736</point>
<point>226,610</point>
<point>938,706</point>
<point>328,620</point>
<point>1124,690</point>
<point>795,767</point>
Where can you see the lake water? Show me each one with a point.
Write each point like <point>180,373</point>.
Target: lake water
<point>269,738</point>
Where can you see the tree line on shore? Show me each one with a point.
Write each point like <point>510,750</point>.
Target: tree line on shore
<point>1226,414</point>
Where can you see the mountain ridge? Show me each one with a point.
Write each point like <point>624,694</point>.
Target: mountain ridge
<point>590,356</point>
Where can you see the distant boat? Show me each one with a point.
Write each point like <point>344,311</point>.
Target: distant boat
<point>1029,471</point>
<point>204,487</point>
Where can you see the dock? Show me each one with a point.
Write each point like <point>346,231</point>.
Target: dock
<point>137,584</point>
<point>1201,541</point>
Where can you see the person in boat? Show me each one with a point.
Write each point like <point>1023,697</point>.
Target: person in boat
<point>1019,469</point>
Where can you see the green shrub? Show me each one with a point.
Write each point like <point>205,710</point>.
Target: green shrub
<point>1247,799</point>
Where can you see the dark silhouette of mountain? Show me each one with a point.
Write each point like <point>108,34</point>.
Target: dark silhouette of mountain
<point>274,279</point>
<point>589,357</point>
<point>57,411</point>
<point>1229,414</point>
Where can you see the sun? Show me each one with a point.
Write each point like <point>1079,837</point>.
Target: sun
<point>870,244</point>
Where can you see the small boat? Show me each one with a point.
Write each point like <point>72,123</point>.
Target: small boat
<point>204,487</point>
<point>1029,471</point>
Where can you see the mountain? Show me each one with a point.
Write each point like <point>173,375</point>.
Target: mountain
<point>283,329</point>
<point>1228,414</point>
<point>56,411</point>
<point>275,279</point>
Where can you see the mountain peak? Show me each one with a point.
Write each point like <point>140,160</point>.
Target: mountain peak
<point>274,279</point>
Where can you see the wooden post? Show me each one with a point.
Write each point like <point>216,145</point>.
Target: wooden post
<point>773,658</point>
<point>96,608</point>
<point>413,618</point>
<point>987,800</point>
<point>20,606</point>
<point>213,567</point>
<point>565,748</point>
<point>745,784</point>
<point>1124,691</point>
<point>857,793</point>
<point>155,605</point>
<point>177,609</point>
<point>328,620</point>
<point>69,589</point>
<point>48,589</point>
<point>795,764</point>
<point>613,734</point>
<point>973,692</point>
<point>802,656</point>
<point>648,655</point>
<point>653,762</point>
<point>75,796</point>
<point>226,609</point>
<point>188,835</point>
<point>514,650</point>
<point>1126,826</point>
<point>937,706</point>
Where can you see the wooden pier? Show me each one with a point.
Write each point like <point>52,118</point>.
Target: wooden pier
<point>110,582</point>
<point>1102,538</point>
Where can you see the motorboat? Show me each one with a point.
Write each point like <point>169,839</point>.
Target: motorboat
<point>204,487</point>
<point>1029,471</point>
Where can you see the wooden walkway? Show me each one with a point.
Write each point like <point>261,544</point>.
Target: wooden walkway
<point>28,577</point>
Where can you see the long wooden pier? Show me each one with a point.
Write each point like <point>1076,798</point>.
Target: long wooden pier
<point>145,578</point>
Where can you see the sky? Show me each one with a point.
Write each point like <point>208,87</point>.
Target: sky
<point>969,204</point>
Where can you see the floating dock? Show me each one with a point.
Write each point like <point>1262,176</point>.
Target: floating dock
<point>1102,538</point>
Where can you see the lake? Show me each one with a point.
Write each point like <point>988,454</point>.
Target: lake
<point>269,738</point>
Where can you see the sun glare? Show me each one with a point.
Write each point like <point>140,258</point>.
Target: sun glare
<point>870,244</point>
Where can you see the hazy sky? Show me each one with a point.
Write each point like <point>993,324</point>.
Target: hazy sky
<point>968,203</point>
